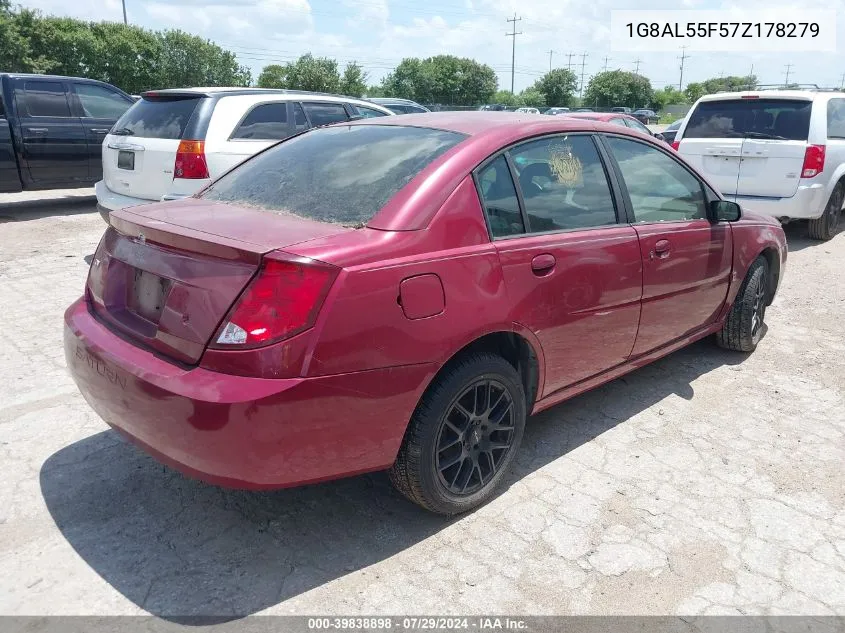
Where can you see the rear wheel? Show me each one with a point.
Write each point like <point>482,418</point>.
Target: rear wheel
<point>463,435</point>
<point>824,228</point>
<point>743,328</point>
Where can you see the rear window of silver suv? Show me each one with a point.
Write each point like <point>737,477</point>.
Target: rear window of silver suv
<point>779,119</point>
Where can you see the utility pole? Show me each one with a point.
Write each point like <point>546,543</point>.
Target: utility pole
<point>788,68</point>
<point>583,63</point>
<point>637,68</point>
<point>513,35</point>
<point>842,81</point>
<point>550,60</point>
<point>125,21</point>
<point>750,78</point>
<point>606,59</point>
<point>683,58</point>
<point>569,57</point>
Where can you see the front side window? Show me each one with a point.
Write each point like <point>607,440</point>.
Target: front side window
<point>342,175</point>
<point>636,125</point>
<point>46,98</point>
<point>265,122</point>
<point>325,113</point>
<point>661,190</point>
<point>100,103</point>
<point>498,196</point>
<point>564,184</point>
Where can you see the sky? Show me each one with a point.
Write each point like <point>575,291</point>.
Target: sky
<point>379,33</point>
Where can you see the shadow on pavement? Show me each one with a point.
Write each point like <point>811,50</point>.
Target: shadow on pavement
<point>798,239</point>
<point>179,548</point>
<point>23,210</point>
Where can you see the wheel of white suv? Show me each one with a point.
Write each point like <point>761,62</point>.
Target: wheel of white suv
<point>824,228</point>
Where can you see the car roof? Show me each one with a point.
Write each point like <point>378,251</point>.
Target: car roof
<point>600,116</point>
<point>392,100</point>
<point>211,91</point>
<point>808,95</point>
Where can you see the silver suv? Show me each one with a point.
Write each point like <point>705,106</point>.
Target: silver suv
<point>779,152</point>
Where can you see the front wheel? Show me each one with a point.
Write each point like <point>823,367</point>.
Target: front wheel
<point>463,435</point>
<point>743,328</point>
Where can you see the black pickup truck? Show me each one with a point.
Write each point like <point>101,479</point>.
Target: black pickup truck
<point>52,129</point>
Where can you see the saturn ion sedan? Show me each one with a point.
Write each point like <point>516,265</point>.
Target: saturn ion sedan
<point>402,293</point>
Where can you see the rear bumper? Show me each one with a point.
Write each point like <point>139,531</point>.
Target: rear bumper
<point>807,204</point>
<point>112,201</point>
<point>237,431</point>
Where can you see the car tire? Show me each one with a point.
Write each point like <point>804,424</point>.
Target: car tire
<point>744,326</point>
<point>457,439</point>
<point>824,228</point>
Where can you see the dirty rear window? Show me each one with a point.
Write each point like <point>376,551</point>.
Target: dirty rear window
<point>342,174</point>
<point>781,119</point>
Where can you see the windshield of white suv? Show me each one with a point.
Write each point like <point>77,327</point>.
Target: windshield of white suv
<point>780,119</point>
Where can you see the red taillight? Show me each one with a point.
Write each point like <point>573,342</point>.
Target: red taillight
<point>813,161</point>
<point>676,145</point>
<point>190,160</point>
<point>282,300</point>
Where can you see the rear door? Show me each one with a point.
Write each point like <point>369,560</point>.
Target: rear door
<point>572,268</point>
<point>55,149</point>
<point>99,107</point>
<point>140,153</point>
<point>749,146</point>
<point>686,259</point>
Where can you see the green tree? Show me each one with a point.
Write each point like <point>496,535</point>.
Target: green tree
<point>618,88</point>
<point>273,76</point>
<point>316,74</point>
<point>557,86</point>
<point>375,91</point>
<point>188,60</point>
<point>732,83</point>
<point>667,96</point>
<point>533,98</point>
<point>443,79</point>
<point>507,98</point>
<point>354,80</point>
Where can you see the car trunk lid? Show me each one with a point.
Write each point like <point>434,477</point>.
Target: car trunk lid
<point>169,285</point>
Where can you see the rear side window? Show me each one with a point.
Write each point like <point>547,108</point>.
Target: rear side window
<point>342,175</point>
<point>783,119</point>
<point>367,113</point>
<point>325,113</point>
<point>46,98</point>
<point>157,117</point>
<point>835,118</point>
<point>100,103</point>
<point>267,122</point>
<point>498,195</point>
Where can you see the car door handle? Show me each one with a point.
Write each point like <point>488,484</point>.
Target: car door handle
<point>543,264</point>
<point>37,130</point>
<point>662,248</point>
<point>99,130</point>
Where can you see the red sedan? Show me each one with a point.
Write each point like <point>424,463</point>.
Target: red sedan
<point>401,294</point>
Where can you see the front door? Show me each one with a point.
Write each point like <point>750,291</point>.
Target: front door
<point>54,145</point>
<point>573,273</point>
<point>686,259</point>
<point>100,108</point>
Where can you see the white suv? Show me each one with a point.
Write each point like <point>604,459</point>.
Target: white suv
<point>780,152</point>
<point>172,143</point>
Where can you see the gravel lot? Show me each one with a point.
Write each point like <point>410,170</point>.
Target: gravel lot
<point>708,482</point>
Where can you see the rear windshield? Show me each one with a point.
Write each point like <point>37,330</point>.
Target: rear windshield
<point>157,117</point>
<point>341,174</point>
<point>754,118</point>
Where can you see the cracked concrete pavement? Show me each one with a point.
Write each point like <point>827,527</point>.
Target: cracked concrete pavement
<point>706,483</point>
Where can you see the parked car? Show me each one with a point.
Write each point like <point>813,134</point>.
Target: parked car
<point>325,309</point>
<point>617,118</point>
<point>584,110</point>
<point>172,143</point>
<point>525,110</point>
<point>399,106</point>
<point>646,117</point>
<point>556,111</point>
<point>779,152</point>
<point>51,129</point>
<point>621,109</point>
<point>671,130</point>
<point>493,107</point>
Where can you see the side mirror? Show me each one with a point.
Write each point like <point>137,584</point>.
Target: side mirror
<point>659,136</point>
<point>723,211</point>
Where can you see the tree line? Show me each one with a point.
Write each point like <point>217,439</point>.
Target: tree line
<point>137,59</point>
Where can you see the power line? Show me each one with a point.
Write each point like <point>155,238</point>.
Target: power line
<point>683,58</point>
<point>583,62</point>
<point>550,60</point>
<point>513,35</point>
<point>569,57</point>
